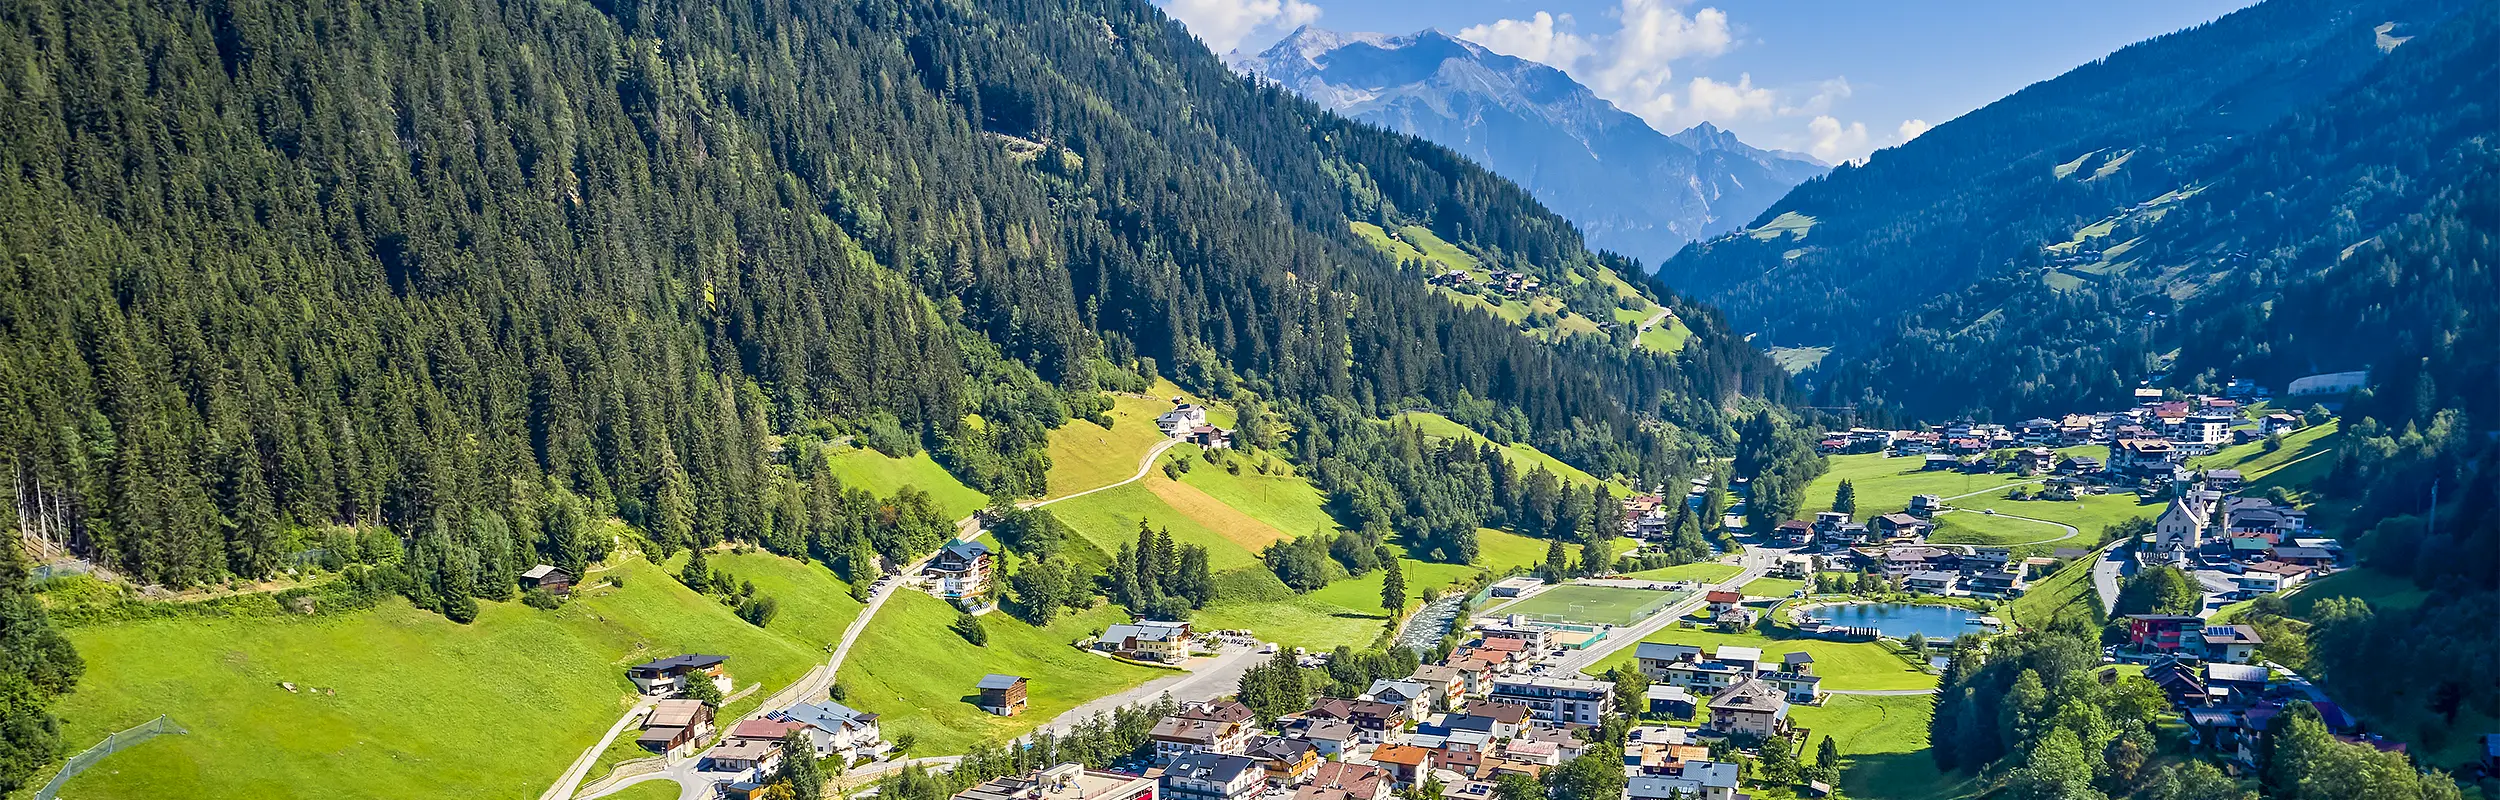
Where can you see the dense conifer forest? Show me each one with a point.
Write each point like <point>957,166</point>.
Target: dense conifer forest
<point>443,288</point>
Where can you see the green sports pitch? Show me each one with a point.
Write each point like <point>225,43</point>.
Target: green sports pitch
<point>1596,605</point>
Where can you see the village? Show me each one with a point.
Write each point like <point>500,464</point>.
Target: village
<point>1517,694</point>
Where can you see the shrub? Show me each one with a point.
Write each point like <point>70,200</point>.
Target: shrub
<point>969,627</point>
<point>540,599</point>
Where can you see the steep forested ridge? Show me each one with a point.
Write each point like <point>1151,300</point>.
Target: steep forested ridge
<point>481,274</point>
<point>382,263</point>
<point>2047,251</point>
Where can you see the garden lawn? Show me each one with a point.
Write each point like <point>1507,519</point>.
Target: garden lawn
<point>1772,587</point>
<point>1594,604</point>
<point>392,701</point>
<point>884,475</point>
<point>1518,453</point>
<point>1844,665</point>
<point>918,675</point>
<point>1883,747</point>
<point>1700,571</point>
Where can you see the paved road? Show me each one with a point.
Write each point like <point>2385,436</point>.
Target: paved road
<point>1144,465</point>
<point>573,773</point>
<point>1208,678</point>
<point>1654,319</point>
<point>2107,568</point>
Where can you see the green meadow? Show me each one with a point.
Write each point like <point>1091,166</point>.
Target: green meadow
<point>393,702</point>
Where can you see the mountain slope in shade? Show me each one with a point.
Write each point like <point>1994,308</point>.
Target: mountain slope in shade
<point>2150,215</point>
<point>1632,189</point>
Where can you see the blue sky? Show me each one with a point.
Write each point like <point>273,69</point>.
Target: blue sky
<point>1833,78</point>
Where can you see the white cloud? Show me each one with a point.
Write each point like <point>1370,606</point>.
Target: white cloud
<point>1835,142</point>
<point>1544,38</point>
<point>1711,99</point>
<point>1223,24</point>
<point>1825,94</point>
<point>1634,66</point>
<point>1911,128</point>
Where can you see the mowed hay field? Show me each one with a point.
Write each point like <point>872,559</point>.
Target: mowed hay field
<point>392,702</point>
<point>918,675</point>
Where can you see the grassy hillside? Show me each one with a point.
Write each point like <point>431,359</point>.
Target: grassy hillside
<point>1280,500</point>
<point>1519,453</point>
<point>884,475</point>
<point>2306,454</point>
<point>1107,518</point>
<point>1883,745</point>
<point>815,604</point>
<point>392,702</point>
<point>1418,243</point>
<point>1884,485</point>
<point>919,676</point>
<point>2066,592</point>
<point>1084,455</point>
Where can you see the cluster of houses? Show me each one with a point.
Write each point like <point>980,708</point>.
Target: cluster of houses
<point>2230,706</point>
<point>2168,429</point>
<point>1483,712</point>
<point>1187,421</point>
<point>750,750</point>
<point>2259,543</point>
<point>1515,284</point>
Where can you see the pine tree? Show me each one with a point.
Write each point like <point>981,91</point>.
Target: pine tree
<point>1393,589</point>
<point>1845,499</point>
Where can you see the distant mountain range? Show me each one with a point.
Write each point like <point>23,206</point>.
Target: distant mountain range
<point>1630,188</point>
<point>2238,199</point>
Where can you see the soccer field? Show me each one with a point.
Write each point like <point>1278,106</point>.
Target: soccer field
<point>1592,604</point>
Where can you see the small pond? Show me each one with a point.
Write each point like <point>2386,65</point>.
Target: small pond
<point>1899,620</point>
